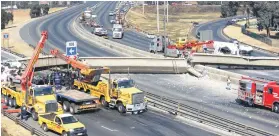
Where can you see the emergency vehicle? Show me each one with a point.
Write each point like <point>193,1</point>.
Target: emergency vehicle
<point>259,92</point>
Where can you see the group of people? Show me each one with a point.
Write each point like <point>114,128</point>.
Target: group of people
<point>68,80</point>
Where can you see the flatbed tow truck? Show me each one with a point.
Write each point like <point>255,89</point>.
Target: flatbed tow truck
<point>76,101</point>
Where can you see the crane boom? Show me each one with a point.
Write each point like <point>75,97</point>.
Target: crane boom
<point>85,70</point>
<point>27,76</point>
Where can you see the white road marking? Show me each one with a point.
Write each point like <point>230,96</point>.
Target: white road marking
<point>108,128</point>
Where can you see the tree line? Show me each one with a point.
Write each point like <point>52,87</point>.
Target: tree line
<point>6,17</point>
<point>266,12</point>
<point>39,10</point>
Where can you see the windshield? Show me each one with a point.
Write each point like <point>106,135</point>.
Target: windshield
<point>69,120</point>
<point>43,91</point>
<point>117,29</point>
<point>126,84</point>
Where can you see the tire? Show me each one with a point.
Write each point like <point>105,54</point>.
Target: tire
<point>121,108</point>
<point>6,100</point>
<point>103,101</point>
<point>73,108</point>
<point>250,103</point>
<point>34,115</point>
<point>44,127</point>
<point>276,108</point>
<point>64,134</point>
<point>66,106</point>
<point>14,102</point>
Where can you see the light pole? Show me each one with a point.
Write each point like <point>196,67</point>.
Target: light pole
<point>164,39</point>
<point>158,27</point>
<point>143,7</point>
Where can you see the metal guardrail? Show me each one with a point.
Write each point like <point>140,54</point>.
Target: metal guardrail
<point>25,125</point>
<point>12,52</point>
<point>200,116</point>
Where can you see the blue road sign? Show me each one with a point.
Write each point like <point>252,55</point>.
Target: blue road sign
<point>6,36</point>
<point>71,48</point>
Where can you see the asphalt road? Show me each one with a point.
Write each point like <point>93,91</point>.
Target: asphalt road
<point>131,38</point>
<point>59,33</point>
<point>217,27</point>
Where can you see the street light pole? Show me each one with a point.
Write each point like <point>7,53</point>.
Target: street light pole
<point>158,27</point>
<point>143,7</point>
<point>164,39</point>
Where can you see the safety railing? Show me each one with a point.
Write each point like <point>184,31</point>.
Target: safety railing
<point>33,131</point>
<point>200,116</point>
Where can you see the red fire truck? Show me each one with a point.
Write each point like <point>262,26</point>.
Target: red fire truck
<point>259,92</point>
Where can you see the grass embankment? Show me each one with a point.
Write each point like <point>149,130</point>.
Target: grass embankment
<point>180,18</point>
<point>21,17</point>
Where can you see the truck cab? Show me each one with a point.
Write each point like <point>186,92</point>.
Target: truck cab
<point>117,31</point>
<point>126,97</point>
<point>42,99</point>
<point>64,124</point>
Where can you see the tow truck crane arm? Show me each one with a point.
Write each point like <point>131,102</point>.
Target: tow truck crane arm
<point>27,76</point>
<point>85,70</point>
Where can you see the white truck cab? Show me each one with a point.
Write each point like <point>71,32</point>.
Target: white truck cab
<point>117,31</point>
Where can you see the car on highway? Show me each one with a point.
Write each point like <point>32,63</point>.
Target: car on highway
<point>195,24</point>
<point>111,13</point>
<point>230,22</point>
<point>100,31</point>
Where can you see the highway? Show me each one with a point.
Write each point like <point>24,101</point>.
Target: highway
<point>171,85</point>
<point>59,32</point>
<point>109,122</point>
<point>217,27</point>
<point>101,122</point>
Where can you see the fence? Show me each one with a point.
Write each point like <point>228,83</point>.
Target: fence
<point>256,36</point>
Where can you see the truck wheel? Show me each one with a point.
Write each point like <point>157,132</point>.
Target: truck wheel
<point>73,108</point>
<point>6,100</point>
<point>44,127</point>
<point>250,102</point>
<point>11,102</point>
<point>66,106</point>
<point>34,115</point>
<point>103,101</point>
<point>276,108</point>
<point>121,108</point>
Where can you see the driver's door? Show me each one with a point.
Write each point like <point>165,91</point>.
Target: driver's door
<point>57,125</point>
<point>114,89</point>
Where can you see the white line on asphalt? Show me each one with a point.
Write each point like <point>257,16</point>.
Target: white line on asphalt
<point>108,128</point>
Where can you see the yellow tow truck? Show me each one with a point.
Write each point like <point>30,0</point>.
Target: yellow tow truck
<point>120,93</point>
<point>64,124</point>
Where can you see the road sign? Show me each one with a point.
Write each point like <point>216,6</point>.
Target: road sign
<point>71,48</point>
<point>6,36</point>
<point>206,35</point>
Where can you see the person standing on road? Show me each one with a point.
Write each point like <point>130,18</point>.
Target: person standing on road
<point>229,83</point>
<point>23,112</point>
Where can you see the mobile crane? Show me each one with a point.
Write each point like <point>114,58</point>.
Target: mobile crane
<point>38,99</point>
<point>120,93</point>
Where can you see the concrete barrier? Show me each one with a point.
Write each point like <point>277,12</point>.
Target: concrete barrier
<point>218,74</point>
<point>201,58</point>
<point>123,64</point>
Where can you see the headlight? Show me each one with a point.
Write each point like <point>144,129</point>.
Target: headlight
<point>71,130</point>
<point>84,128</point>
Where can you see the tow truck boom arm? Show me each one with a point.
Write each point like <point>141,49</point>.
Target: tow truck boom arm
<point>27,76</point>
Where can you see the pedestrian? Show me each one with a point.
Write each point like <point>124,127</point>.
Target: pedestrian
<point>23,112</point>
<point>229,83</point>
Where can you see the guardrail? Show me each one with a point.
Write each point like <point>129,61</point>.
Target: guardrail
<point>200,116</point>
<point>201,58</point>
<point>12,52</point>
<point>23,124</point>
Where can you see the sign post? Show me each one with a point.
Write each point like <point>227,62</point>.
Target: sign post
<point>71,49</point>
<point>6,38</point>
